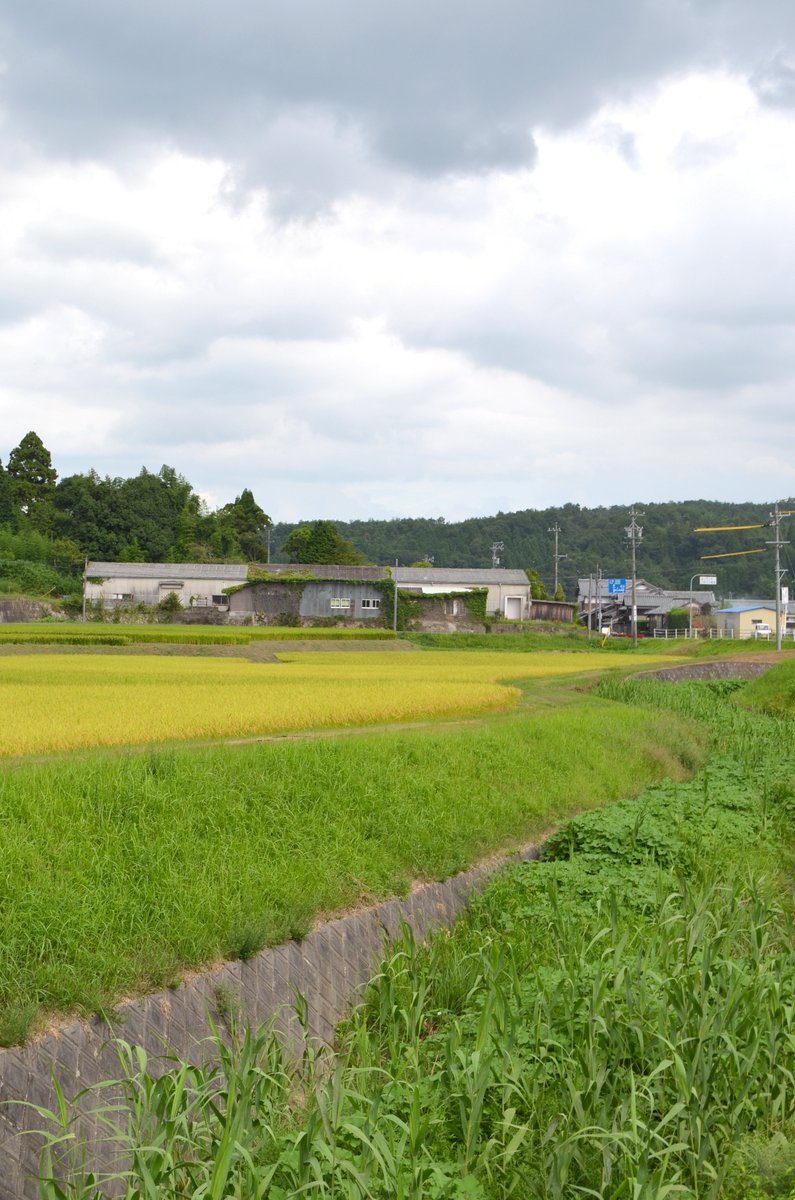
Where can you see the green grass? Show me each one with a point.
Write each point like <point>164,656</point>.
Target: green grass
<point>577,639</point>
<point>536,640</point>
<point>614,1022</point>
<point>113,634</point>
<point>773,692</point>
<point>120,872</point>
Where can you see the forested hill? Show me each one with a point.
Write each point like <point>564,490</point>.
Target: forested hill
<point>669,553</point>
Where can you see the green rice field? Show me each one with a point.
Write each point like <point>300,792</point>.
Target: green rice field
<point>123,870</point>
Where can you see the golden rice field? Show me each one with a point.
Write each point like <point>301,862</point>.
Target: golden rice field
<point>64,702</point>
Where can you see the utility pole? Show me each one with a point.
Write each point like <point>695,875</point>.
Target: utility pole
<point>394,601</point>
<point>599,598</point>
<point>496,547</point>
<point>556,529</point>
<point>634,534</point>
<point>775,521</point>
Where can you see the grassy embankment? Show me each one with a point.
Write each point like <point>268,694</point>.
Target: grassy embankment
<point>121,871</point>
<point>616,1022</point>
<point>576,640</point>
<point>78,633</point>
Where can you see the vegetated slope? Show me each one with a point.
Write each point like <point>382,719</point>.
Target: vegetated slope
<point>615,1022</point>
<point>773,692</point>
<point>120,872</point>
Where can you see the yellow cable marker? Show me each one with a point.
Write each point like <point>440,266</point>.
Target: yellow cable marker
<point>734,553</point>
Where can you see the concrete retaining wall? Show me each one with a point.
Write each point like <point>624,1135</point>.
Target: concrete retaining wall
<point>710,670</point>
<point>329,967</point>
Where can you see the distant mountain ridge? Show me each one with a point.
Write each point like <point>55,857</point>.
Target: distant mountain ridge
<point>668,554</point>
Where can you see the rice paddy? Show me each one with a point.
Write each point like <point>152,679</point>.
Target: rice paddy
<point>59,702</point>
<point>122,870</point>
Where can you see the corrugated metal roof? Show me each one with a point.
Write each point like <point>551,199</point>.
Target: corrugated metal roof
<point>741,608</point>
<point>472,577</point>
<point>366,574</point>
<point>136,570</point>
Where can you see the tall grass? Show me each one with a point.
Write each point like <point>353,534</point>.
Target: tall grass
<point>120,872</point>
<point>614,1022</point>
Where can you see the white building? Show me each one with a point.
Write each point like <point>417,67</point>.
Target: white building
<point>198,585</point>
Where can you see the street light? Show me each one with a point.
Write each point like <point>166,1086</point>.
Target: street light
<point>704,579</point>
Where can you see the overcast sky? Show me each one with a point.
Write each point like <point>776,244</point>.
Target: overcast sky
<point>375,259</point>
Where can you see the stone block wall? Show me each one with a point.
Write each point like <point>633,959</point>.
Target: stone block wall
<point>329,967</point>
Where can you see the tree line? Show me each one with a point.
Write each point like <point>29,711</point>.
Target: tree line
<point>159,517</point>
<point>149,517</point>
<point>669,553</point>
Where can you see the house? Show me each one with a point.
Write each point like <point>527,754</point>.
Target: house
<point>124,584</point>
<point>508,591</point>
<point>741,620</point>
<point>609,610</point>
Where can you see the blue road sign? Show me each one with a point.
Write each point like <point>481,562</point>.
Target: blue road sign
<point>616,587</point>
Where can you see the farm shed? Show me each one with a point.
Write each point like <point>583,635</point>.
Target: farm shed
<point>198,585</point>
<point>552,610</point>
<point>508,591</point>
<point>284,592</point>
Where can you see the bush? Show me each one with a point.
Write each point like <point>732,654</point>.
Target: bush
<point>168,606</point>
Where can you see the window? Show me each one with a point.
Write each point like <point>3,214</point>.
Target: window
<point>369,603</point>
<point>221,600</point>
<point>340,601</point>
<point>122,596</point>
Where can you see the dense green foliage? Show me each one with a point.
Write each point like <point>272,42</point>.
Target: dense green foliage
<point>121,871</point>
<point>148,517</point>
<point>773,692</point>
<point>32,478</point>
<point>614,1022</point>
<point>7,505</point>
<point>320,542</point>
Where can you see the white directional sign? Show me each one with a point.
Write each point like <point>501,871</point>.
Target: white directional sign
<point>708,580</point>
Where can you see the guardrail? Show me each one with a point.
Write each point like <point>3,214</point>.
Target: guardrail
<point>721,634</point>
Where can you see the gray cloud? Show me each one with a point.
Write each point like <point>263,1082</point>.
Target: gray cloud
<point>435,88</point>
